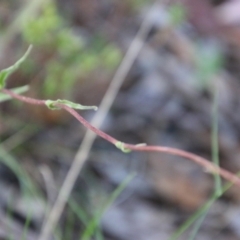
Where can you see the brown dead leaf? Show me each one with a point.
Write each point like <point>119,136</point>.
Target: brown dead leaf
<point>179,181</point>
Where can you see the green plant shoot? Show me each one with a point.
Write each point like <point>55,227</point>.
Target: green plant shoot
<point>5,73</point>
<point>54,105</point>
<point>120,145</point>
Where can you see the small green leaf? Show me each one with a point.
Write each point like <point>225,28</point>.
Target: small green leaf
<point>19,90</point>
<point>120,145</point>
<point>53,105</point>
<point>8,71</point>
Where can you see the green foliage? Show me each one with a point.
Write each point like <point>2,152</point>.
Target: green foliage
<point>95,221</point>
<point>40,31</point>
<point>53,105</point>
<point>27,186</point>
<point>110,56</point>
<point>214,140</point>
<point>201,212</point>
<point>121,146</point>
<point>69,56</point>
<point>5,73</point>
<point>177,14</point>
<point>68,43</point>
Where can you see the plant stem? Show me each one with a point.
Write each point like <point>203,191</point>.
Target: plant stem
<point>208,166</point>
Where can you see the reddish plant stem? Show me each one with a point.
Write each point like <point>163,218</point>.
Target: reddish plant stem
<point>23,98</point>
<point>210,167</point>
<point>88,125</point>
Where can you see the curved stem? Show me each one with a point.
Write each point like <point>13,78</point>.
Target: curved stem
<point>209,167</point>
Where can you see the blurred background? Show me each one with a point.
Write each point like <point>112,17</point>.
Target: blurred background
<point>182,91</point>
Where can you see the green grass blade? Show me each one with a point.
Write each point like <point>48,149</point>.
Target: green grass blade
<point>200,212</point>
<point>12,163</point>
<point>81,214</point>
<point>9,217</point>
<point>26,225</point>
<point>198,225</point>
<point>69,229</point>
<point>214,145</point>
<point>5,73</point>
<point>215,160</point>
<point>96,219</point>
<point>18,138</point>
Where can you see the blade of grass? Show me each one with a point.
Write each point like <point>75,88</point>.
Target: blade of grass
<point>200,212</point>
<point>19,137</point>
<point>198,225</point>
<point>215,159</point>
<point>27,185</point>
<point>26,225</point>
<point>27,188</point>
<point>69,225</point>
<point>9,217</point>
<point>95,221</point>
<point>83,216</point>
<point>5,73</point>
<point>214,145</point>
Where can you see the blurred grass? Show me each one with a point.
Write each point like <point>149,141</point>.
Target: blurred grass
<point>208,65</point>
<point>26,225</point>
<point>94,222</point>
<point>11,162</point>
